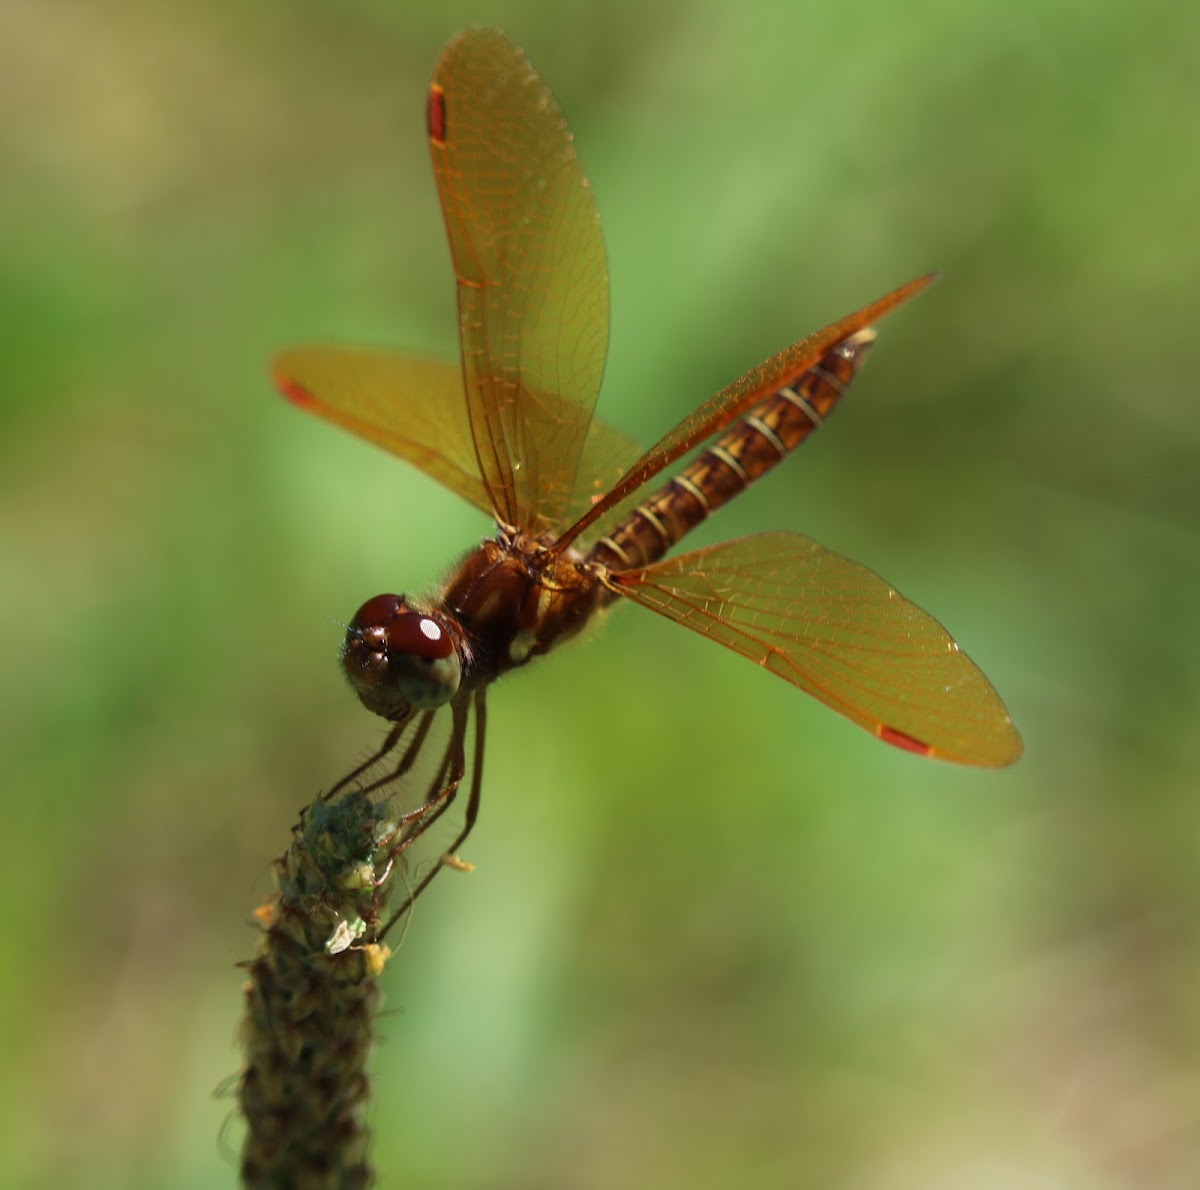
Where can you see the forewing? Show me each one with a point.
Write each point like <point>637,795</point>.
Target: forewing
<point>839,632</point>
<point>532,283</point>
<point>410,406</point>
<point>414,408</point>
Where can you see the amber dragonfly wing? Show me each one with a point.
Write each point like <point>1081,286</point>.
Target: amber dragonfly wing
<point>414,408</point>
<point>839,632</point>
<point>532,279</point>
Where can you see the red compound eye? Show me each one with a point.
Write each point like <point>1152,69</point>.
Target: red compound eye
<point>415,635</point>
<point>397,658</point>
<point>376,613</point>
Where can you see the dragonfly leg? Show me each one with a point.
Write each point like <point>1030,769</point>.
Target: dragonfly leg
<point>446,798</point>
<point>451,855</point>
<point>438,798</point>
<point>407,760</point>
<point>390,741</point>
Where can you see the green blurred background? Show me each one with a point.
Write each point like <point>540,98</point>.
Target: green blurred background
<point>716,936</point>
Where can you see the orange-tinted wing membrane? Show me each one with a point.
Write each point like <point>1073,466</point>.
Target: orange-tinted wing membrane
<point>532,282</point>
<point>739,397</point>
<point>410,406</point>
<point>414,408</point>
<point>607,455</point>
<point>839,632</point>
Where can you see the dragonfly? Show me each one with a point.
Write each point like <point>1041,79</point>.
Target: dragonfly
<point>510,428</point>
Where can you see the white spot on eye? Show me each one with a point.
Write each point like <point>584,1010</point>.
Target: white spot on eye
<point>430,630</point>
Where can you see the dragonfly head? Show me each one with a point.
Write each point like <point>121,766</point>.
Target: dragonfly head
<point>398,657</point>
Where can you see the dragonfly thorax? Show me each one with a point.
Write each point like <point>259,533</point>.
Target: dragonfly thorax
<point>513,600</point>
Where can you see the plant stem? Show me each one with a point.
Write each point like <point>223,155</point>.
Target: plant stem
<point>311,1001</point>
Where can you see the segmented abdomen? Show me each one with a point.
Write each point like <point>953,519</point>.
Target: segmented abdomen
<point>748,449</point>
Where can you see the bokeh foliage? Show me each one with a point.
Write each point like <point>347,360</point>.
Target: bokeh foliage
<point>716,937</point>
